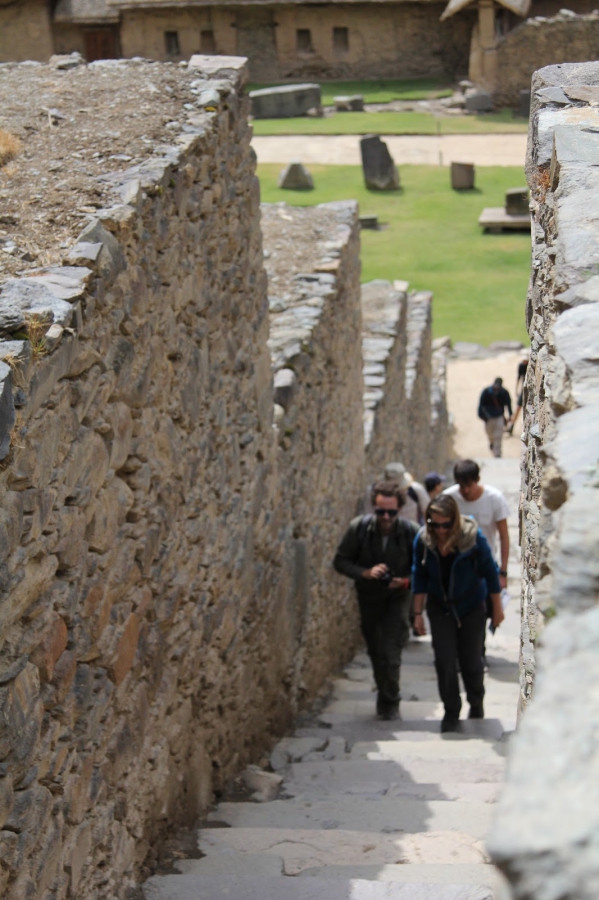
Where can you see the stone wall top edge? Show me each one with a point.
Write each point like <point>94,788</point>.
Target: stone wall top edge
<point>41,309</point>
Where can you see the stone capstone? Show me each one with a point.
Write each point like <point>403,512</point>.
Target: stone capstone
<point>295,177</point>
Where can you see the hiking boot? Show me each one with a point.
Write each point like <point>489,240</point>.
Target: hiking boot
<point>450,723</point>
<point>476,712</point>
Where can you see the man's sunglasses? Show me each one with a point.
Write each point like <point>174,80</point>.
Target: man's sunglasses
<point>446,525</point>
<point>385,512</point>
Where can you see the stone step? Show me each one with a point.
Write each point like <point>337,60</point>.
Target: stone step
<point>376,814</point>
<point>238,887</point>
<point>374,786</point>
<point>372,729</point>
<point>458,873</point>
<point>364,710</point>
<point>452,746</point>
<point>300,849</point>
<point>411,771</point>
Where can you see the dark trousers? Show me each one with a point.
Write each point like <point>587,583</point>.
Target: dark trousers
<point>386,629</point>
<point>463,644</point>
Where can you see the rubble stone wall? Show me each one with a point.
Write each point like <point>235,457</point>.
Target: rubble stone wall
<point>539,41</point>
<point>167,600</point>
<point>545,823</point>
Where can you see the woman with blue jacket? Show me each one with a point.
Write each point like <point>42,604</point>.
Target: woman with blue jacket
<point>452,572</point>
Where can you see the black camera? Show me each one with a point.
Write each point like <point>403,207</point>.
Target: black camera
<point>387,578</point>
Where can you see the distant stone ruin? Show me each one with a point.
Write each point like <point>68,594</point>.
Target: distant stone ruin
<point>183,444</point>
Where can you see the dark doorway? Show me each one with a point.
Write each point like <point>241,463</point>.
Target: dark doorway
<point>101,43</point>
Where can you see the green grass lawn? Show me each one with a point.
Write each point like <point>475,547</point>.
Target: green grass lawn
<point>502,122</point>
<point>380,91</point>
<point>433,240</point>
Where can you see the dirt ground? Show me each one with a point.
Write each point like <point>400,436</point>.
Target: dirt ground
<point>409,149</point>
<point>465,380</point>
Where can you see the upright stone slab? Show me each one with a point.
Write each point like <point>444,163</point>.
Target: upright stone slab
<point>380,171</point>
<point>285,102</point>
<point>516,201</point>
<point>524,104</point>
<point>479,101</point>
<point>462,176</point>
<point>295,177</point>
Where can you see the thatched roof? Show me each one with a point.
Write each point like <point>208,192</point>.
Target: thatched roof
<point>520,7</point>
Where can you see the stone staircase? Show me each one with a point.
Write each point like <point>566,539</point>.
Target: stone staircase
<point>371,810</point>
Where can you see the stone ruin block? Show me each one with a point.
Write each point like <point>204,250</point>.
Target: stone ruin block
<point>380,171</point>
<point>295,177</point>
<point>462,176</point>
<point>286,101</point>
<point>355,103</point>
<point>479,101</point>
<point>523,104</point>
<point>516,201</point>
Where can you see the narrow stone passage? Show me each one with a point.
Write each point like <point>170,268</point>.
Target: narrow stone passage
<point>369,809</point>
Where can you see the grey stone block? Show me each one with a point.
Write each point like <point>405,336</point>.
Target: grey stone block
<point>286,101</point>
<point>462,176</point>
<point>380,171</point>
<point>295,177</point>
<point>479,101</point>
<point>354,103</point>
<point>111,260</point>
<point>523,104</point>
<point>516,201</point>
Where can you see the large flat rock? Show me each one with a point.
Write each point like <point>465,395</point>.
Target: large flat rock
<point>376,814</point>
<point>422,771</point>
<point>452,746</point>
<point>480,875</point>
<point>238,887</point>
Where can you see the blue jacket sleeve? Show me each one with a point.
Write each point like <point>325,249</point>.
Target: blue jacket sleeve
<point>486,564</point>
<point>419,572</point>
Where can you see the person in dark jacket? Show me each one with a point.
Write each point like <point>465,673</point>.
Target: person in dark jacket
<point>493,402</point>
<point>452,571</point>
<point>376,553</point>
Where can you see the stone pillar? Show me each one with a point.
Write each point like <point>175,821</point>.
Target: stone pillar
<point>483,47</point>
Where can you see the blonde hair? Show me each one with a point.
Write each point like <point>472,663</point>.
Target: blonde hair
<point>444,505</point>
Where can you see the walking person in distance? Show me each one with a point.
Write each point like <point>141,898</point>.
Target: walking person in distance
<point>493,402</point>
<point>376,553</point>
<point>452,569</point>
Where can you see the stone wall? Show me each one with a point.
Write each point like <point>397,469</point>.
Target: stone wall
<point>25,31</point>
<point>539,41</point>
<point>547,822</point>
<point>167,601</point>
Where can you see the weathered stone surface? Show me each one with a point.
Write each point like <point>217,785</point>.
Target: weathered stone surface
<point>545,820</point>
<point>349,103</point>
<point>286,101</point>
<point>516,202</point>
<point>265,785</point>
<point>462,176</point>
<point>478,101</point>
<point>295,177</point>
<point>380,171</point>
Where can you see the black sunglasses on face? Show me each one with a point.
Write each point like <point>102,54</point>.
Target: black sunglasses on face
<point>385,512</point>
<point>446,525</point>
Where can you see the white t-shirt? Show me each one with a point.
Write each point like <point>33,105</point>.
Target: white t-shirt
<point>490,508</point>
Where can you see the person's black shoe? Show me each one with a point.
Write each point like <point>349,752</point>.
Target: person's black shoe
<point>450,723</point>
<point>388,712</point>
<point>476,712</point>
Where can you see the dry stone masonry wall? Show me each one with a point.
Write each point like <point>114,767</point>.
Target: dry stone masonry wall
<point>542,41</point>
<point>547,824</point>
<point>168,515</point>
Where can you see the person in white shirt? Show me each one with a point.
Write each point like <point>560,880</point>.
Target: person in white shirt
<point>487,506</point>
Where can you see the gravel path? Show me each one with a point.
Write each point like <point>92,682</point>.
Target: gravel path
<point>432,150</point>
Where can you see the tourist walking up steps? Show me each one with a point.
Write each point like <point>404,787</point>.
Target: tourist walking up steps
<point>376,553</point>
<point>493,402</point>
<point>451,570</point>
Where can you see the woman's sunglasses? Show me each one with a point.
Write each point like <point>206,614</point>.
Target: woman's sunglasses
<point>446,525</point>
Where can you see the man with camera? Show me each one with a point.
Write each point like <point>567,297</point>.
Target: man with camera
<point>376,553</point>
